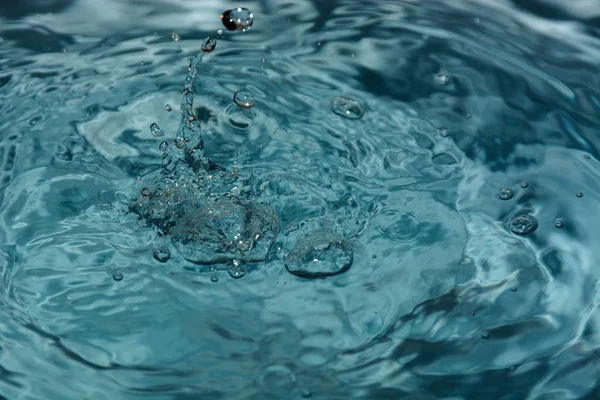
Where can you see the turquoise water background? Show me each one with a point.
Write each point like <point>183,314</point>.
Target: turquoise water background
<point>300,251</point>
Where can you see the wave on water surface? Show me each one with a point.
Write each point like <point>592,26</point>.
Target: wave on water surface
<point>371,200</point>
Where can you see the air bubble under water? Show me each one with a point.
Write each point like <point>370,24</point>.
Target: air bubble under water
<point>347,107</point>
<point>237,19</point>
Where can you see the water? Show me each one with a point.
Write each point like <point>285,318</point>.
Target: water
<point>307,246</point>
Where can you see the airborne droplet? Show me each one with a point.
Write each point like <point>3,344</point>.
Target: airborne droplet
<point>505,194</point>
<point>155,130</point>
<point>238,19</point>
<point>208,45</point>
<point>347,107</point>
<point>523,224</point>
<point>244,99</point>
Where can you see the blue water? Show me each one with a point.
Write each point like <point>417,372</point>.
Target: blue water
<point>401,203</point>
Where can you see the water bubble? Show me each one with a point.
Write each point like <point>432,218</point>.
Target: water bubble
<point>579,194</point>
<point>146,192</point>
<point>237,270</point>
<point>168,107</point>
<point>214,279</point>
<point>208,45</point>
<point>163,146</point>
<point>524,184</point>
<point>347,107</point>
<point>237,19</point>
<point>444,132</point>
<point>559,223</point>
<point>523,224</point>
<point>162,254</point>
<point>319,255</point>
<point>244,99</point>
<point>155,130</point>
<point>505,194</point>
<point>117,276</point>
<point>442,78</point>
<point>175,37</point>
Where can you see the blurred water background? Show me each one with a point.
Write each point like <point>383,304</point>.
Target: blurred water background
<point>401,202</point>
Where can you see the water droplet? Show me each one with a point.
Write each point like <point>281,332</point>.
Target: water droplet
<point>219,33</point>
<point>168,107</point>
<point>162,254</point>
<point>442,78</point>
<point>163,146</point>
<point>306,393</point>
<point>485,335</point>
<point>155,130</point>
<point>374,256</point>
<point>524,184</point>
<point>523,224</point>
<point>505,194</point>
<point>513,289</point>
<point>34,120</point>
<point>208,45</point>
<point>146,192</point>
<point>214,279</point>
<point>579,194</point>
<point>237,270</point>
<point>347,107</point>
<point>244,99</point>
<point>117,276</point>
<point>263,60</point>
<point>237,19</point>
<point>175,37</point>
<point>319,255</point>
<point>587,156</point>
<point>444,132</point>
<point>559,223</point>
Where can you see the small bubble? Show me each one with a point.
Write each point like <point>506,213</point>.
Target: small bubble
<point>523,224</point>
<point>168,107</point>
<point>347,107</point>
<point>214,279</point>
<point>146,192</point>
<point>513,289</point>
<point>587,156</point>
<point>208,45</point>
<point>505,194</point>
<point>559,223</point>
<point>524,184</point>
<point>374,256</point>
<point>162,254</point>
<point>442,78</point>
<point>219,33</point>
<point>237,19</point>
<point>175,37</point>
<point>237,270</point>
<point>155,130</point>
<point>579,194</point>
<point>244,99</point>
<point>117,276</point>
<point>163,146</point>
<point>306,394</point>
<point>444,132</point>
<point>485,335</point>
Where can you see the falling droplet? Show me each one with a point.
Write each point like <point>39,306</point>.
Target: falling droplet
<point>155,130</point>
<point>347,107</point>
<point>168,107</point>
<point>442,78</point>
<point>163,146</point>
<point>162,254</point>
<point>505,194</point>
<point>579,194</point>
<point>208,45</point>
<point>219,33</point>
<point>146,192</point>
<point>524,184</point>
<point>523,224</point>
<point>237,19</point>
<point>117,276</point>
<point>237,270</point>
<point>559,223</point>
<point>244,99</point>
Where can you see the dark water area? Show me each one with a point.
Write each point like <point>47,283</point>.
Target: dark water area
<point>390,199</point>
